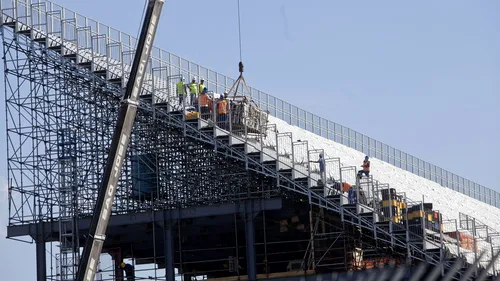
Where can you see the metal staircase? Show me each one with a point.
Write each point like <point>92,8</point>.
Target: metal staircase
<point>273,154</point>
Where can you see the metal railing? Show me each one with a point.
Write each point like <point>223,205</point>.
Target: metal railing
<point>111,40</point>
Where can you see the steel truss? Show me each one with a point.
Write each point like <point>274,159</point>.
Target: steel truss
<point>61,112</point>
<point>59,122</point>
<point>47,95</point>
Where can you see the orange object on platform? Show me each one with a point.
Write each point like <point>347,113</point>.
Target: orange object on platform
<point>466,240</point>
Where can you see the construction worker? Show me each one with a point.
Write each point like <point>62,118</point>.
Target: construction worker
<point>321,162</point>
<point>129,271</point>
<point>205,103</point>
<point>193,91</point>
<point>201,86</point>
<point>366,168</point>
<point>181,91</point>
<point>341,186</point>
<point>346,186</point>
<point>352,196</point>
<point>222,107</point>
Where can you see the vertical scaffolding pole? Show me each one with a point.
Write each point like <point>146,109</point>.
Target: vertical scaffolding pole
<point>407,227</point>
<point>265,242</point>
<point>237,265</point>
<point>311,228</point>
<point>441,243</point>
<point>474,245</point>
<point>424,235</point>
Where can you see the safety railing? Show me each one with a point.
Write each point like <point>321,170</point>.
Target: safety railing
<point>60,20</point>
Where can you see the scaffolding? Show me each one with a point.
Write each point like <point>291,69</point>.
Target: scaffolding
<point>69,255</point>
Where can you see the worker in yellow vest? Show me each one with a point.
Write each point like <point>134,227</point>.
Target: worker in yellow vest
<point>181,91</point>
<point>201,86</point>
<point>193,91</point>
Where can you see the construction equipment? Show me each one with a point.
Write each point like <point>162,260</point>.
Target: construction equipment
<point>245,116</point>
<point>126,116</point>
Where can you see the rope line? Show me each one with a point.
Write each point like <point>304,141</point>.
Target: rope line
<point>239,28</point>
<point>142,19</point>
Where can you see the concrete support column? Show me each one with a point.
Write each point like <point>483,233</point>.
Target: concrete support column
<point>116,256</point>
<point>41,260</point>
<point>250,246</point>
<point>169,252</point>
<point>41,257</point>
<point>249,216</point>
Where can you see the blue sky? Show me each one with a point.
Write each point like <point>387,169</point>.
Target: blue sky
<point>421,76</point>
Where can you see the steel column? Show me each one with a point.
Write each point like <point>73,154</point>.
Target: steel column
<point>250,242</point>
<point>116,256</point>
<point>41,259</point>
<point>169,252</point>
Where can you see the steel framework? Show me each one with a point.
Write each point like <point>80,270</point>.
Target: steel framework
<point>63,85</point>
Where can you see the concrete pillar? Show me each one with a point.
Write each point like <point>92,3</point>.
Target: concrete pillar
<point>169,252</point>
<point>116,256</point>
<point>41,257</point>
<point>41,260</point>
<point>250,246</point>
<point>250,241</point>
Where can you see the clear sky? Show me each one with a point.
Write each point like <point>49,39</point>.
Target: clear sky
<point>421,76</point>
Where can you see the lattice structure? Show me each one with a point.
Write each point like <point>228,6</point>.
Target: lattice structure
<point>63,83</point>
<point>68,204</point>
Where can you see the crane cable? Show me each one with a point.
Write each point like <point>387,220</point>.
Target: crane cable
<point>236,84</point>
<point>142,18</point>
<point>239,29</point>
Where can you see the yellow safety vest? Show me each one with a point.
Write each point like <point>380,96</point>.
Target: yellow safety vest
<point>201,87</point>
<point>180,88</point>
<point>193,88</point>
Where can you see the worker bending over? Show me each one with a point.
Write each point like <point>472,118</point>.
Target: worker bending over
<point>341,186</point>
<point>129,271</point>
<point>366,168</point>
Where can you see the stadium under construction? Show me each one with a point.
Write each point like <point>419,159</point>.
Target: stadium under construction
<point>198,196</point>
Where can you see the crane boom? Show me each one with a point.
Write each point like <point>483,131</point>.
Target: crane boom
<point>112,172</point>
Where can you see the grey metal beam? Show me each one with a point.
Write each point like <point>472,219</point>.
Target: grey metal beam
<point>169,252</point>
<point>159,216</point>
<point>250,247</point>
<point>41,257</point>
<point>41,261</point>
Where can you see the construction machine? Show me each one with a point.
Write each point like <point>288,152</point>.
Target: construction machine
<point>126,117</point>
